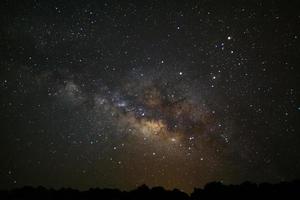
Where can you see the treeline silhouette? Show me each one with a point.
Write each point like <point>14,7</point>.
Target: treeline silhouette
<point>246,190</point>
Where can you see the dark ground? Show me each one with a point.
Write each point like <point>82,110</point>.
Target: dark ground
<point>245,190</point>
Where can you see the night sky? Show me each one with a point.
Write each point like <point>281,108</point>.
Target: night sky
<point>116,94</point>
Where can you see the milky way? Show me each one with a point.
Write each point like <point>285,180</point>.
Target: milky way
<point>165,120</point>
<point>175,94</point>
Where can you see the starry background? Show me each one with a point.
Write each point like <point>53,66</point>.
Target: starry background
<point>172,93</point>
